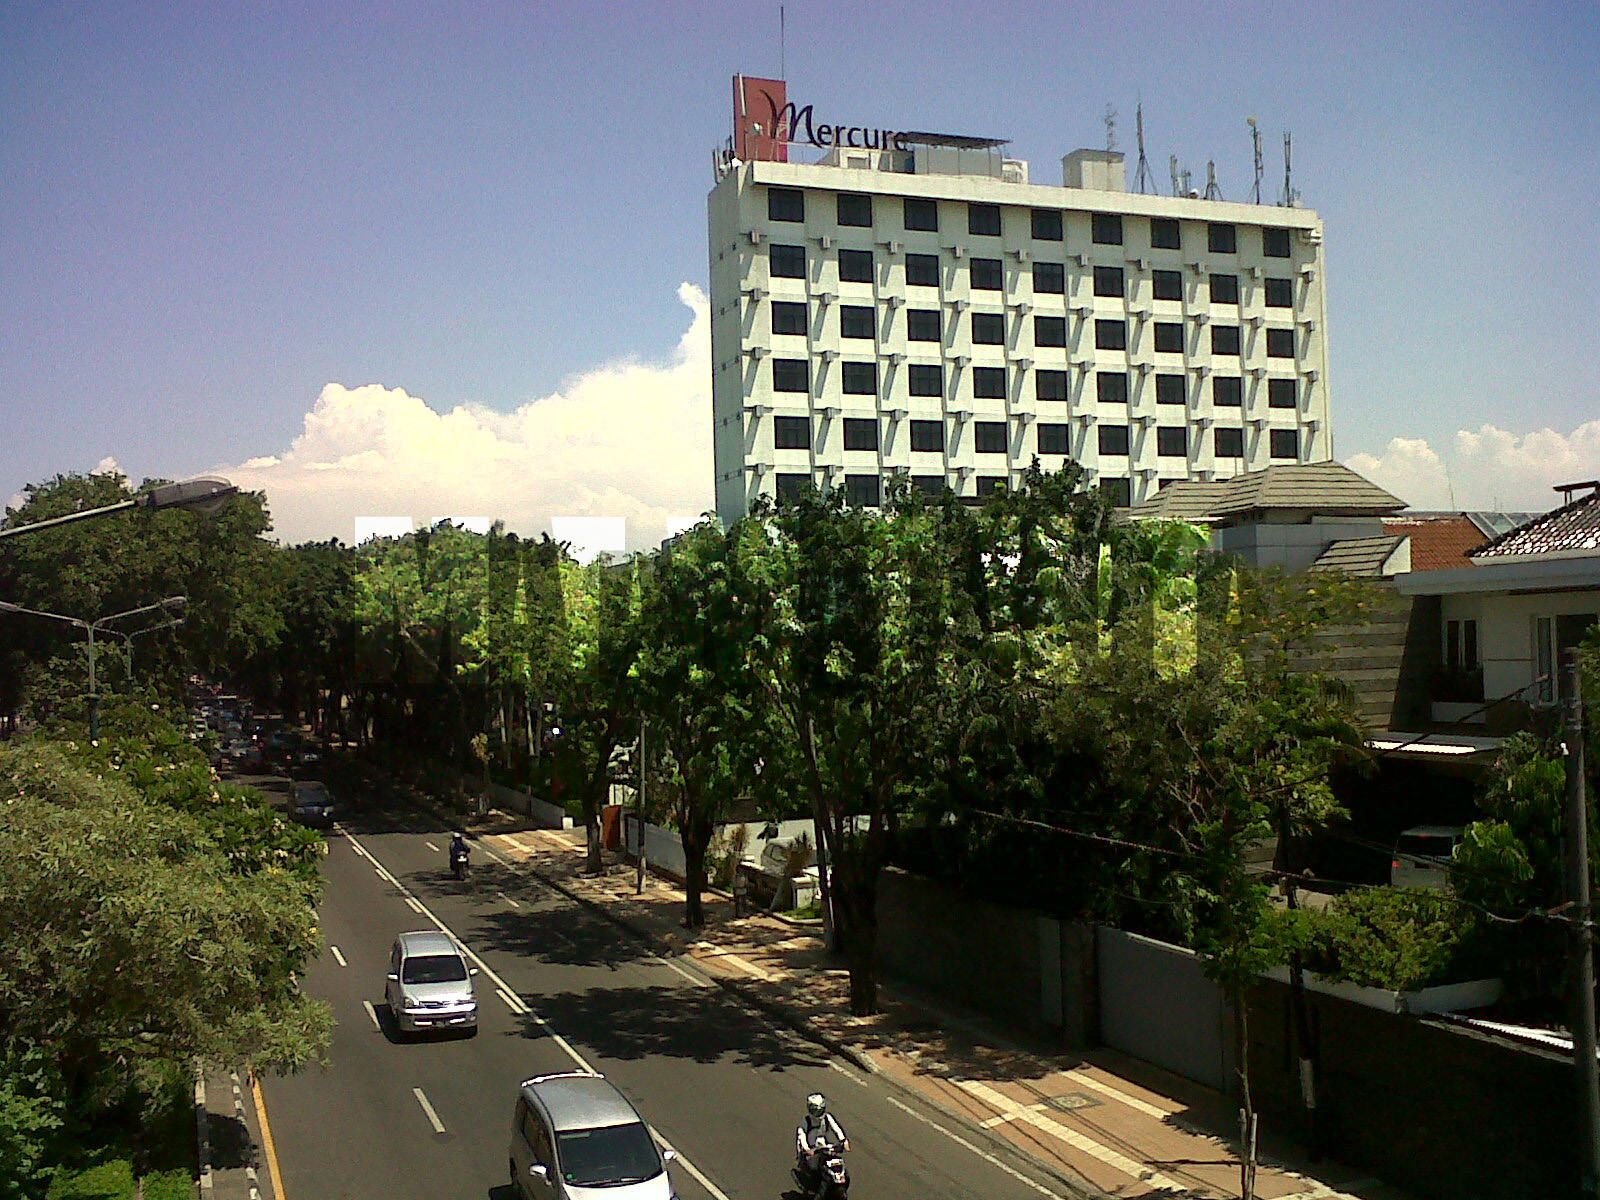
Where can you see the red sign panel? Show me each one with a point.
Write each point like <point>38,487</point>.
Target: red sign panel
<point>761,117</point>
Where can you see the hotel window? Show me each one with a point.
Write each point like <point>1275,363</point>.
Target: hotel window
<point>860,379</point>
<point>1283,393</point>
<point>1284,443</point>
<point>1111,387</point>
<point>1280,293</point>
<point>788,317</point>
<point>861,433</point>
<point>1046,225</point>
<point>1172,441</point>
<point>1275,243</point>
<point>1164,234</point>
<point>922,270</point>
<point>855,266</point>
<point>989,485</point>
<point>1280,343</point>
<point>1111,335</point>
<point>863,491</point>
<point>790,487</point>
<point>931,486</point>
<point>1050,277</point>
<point>1170,389</point>
<point>988,329</point>
<point>855,209</point>
<point>989,383</point>
<point>1108,281</point>
<point>1166,285</point>
<point>927,437</point>
<point>786,262</point>
<point>786,204</point>
<point>791,433</point>
<point>983,219</point>
<point>1106,228</point>
<point>986,275</point>
<point>1114,440</point>
<point>1169,337</point>
<point>1222,239</point>
<point>922,214</point>
<point>791,375</point>
<point>922,325</point>
<point>1227,391</point>
<point>1054,438</point>
<point>1050,385</point>
<point>926,379</point>
<point>1224,289</point>
<point>989,437</point>
<point>1049,331</point>
<point>857,321</point>
<point>1118,492</point>
<point>1228,443</point>
<point>1225,339</point>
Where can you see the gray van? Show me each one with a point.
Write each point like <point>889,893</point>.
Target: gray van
<point>1422,856</point>
<point>430,984</point>
<point>575,1137</point>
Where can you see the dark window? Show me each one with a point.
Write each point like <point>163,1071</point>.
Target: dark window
<point>787,262</point>
<point>1222,239</point>
<point>989,437</point>
<point>922,270</point>
<point>1166,285</point>
<point>1284,443</point>
<point>1108,281</point>
<point>1227,391</point>
<point>921,214</point>
<point>926,379</point>
<point>983,219</point>
<point>1054,438</point>
<point>1113,439</point>
<point>988,329</point>
<point>1111,387</point>
<point>863,491</point>
<point>857,321</point>
<point>932,486</point>
<point>1050,385</point>
<point>1282,393</point>
<point>791,375</point>
<point>1225,339</point>
<point>855,209</point>
<point>1461,647</point>
<point>1046,225</point>
<point>985,274</point>
<point>927,436</point>
<point>989,383</point>
<point>1172,441</point>
<point>855,266</point>
<point>1049,331</point>
<point>1228,443</point>
<point>1224,289</point>
<point>1111,335</point>
<point>1169,337</point>
<point>861,433</point>
<point>791,433</point>
<point>1050,277</point>
<point>922,325</point>
<point>788,317</point>
<point>786,204</point>
<point>1170,389</point>
<point>1280,293</point>
<point>1164,234</point>
<point>989,485</point>
<point>790,487</point>
<point>1275,243</point>
<point>860,379</point>
<point>1107,229</point>
<point>1280,343</point>
<point>1118,491</point>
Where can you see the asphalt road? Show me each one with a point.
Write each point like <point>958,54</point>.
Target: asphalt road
<point>561,987</point>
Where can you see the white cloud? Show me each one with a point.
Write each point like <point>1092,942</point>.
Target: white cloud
<point>629,439</point>
<point>1486,468</point>
<point>380,527</point>
<point>106,466</point>
<point>590,537</point>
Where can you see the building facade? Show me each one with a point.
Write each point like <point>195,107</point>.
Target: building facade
<point>916,306</point>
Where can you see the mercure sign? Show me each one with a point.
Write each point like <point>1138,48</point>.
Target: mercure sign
<point>766,121</point>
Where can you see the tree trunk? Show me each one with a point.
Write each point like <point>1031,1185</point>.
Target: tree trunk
<point>861,948</point>
<point>696,834</point>
<point>1247,1112</point>
<point>592,863</point>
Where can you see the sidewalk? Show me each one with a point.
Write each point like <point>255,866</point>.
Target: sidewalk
<point>230,1140</point>
<point>1102,1123</point>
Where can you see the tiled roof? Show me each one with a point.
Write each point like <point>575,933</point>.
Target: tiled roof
<point>1359,556</point>
<point>1183,500</point>
<point>1572,528</point>
<point>1325,488</point>
<point>1437,543</point>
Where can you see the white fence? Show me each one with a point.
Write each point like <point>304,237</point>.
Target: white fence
<point>541,812</point>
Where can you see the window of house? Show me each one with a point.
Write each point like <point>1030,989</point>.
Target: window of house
<point>1228,443</point>
<point>1284,443</point>
<point>988,329</point>
<point>1275,243</point>
<point>1461,646</point>
<point>1113,439</point>
<point>931,486</point>
<point>788,317</point>
<point>1049,331</point>
<point>1222,239</point>
<point>1054,438</point>
<point>921,214</point>
<point>791,375</point>
<point>1166,285</point>
<point>986,275</point>
<point>1225,339</point>
<point>1280,343</point>
<point>990,485</point>
<point>1111,335</point>
<point>1172,441</point>
<point>790,487</point>
<point>1280,293</point>
<point>855,266</point>
<point>1050,385</point>
<point>791,433</point>
<point>989,383</point>
<point>1283,393</point>
<point>927,436</point>
<point>922,325</point>
<point>786,262</point>
<point>860,379</point>
<point>989,437</point>
<point>861,433</point>
<point>1169,337</point>
<point>858,321</point>
<point>1164,234</point>
<point>1106,229</point>
<point>786,204</point>
<point>1224,289</point>
<point>1050,277</point>
<point>1108,281</point>
<point>1227,391</point>
<point>922,270</point>
<point>1119,492</point>
<point>925,379</point>
<point>1170,389</point>
<point>1046,225</point>
<point>1111,386</point>
<point>855,209</point>
<point>983,219</point>
<point>863,491</point>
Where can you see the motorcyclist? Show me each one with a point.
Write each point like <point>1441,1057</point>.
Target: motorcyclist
<point>815,1135</point>
<point>459,853</point>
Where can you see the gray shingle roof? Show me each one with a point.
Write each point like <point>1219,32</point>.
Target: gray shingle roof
<point>1573,527</point>
<point>1358,556</point>
<point>1326,488</point>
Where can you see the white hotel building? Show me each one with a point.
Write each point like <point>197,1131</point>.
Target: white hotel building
<point>926,310</point>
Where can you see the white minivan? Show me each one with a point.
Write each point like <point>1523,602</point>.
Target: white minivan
<point>430,984</point>
<point>1422,856</point>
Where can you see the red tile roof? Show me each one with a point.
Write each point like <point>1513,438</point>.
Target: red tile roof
<point>1437,543</point>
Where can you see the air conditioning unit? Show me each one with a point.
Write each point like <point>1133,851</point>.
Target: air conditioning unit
<point>957,251</point>
<point>826,240</point>
<point>755,236</point>
<point>1310,237</point>
<point>1082,260</point>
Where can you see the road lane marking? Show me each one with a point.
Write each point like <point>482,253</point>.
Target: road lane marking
<point>416,905</point>
<point>373,1013</point>
<point>431,846</point>
<point>961,1141</point>
<point>433,1117</point>
<point>509,900</point>
<point>850,1075</point>
<point>511,1002</point>
<point>268,1146</point>
<point>690,1167</point>
<point>337,957</point>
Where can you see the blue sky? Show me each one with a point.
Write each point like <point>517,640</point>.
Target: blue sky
<point>210,213</point>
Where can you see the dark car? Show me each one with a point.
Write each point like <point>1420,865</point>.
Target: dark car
<point>310,802</point>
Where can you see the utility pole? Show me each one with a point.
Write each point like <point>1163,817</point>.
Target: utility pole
<point>638,766</point>
<point>1582,925</point>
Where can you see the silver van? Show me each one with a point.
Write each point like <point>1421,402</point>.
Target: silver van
<point>1422,856</point>
<point>430,984</point>
<point>575,1137</point>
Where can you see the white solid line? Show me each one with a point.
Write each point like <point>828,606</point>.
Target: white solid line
<point>430,846</point>
<point>692,1169</point>
<point>749,968</point>
<point>415,905</point>
<point>433,1117</point>
<point>511,1002</point>
<point>961,1141</point>
<point>337,957</point>
<point>509,900</point>
<point>850,1075</point>
<point>373,1013</point>
<point>672,966</point>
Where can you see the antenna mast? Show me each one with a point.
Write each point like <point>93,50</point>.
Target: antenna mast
<point>1255,142</point>
<point>1289,194</point>
<point>1172,166</point>
<point>1142,178</point>
<point>783,46</point>
<point>1213,192</point>
<point>1111,127</point>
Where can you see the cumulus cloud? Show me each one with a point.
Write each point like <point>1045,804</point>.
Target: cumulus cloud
<point>630,439</point>
<point>1485,468</point>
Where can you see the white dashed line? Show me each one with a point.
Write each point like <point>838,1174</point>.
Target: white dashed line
<point>430,846</point>
<point>961,1141</point>
<point>373,1013</point>
<point>433,1117</point>
<point>850,1075</point>
<point>509,900</point>
<point>337,957</point>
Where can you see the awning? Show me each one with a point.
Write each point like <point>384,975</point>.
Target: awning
<point>1432,745</point>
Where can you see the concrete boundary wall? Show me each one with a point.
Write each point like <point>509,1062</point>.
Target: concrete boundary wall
<point>541,812</point>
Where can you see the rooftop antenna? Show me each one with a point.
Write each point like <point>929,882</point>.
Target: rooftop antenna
<point>1289,194</point>
<point>1255,142</point>
<point>1213,192</point>
<point>1111,127</point>
<point>783,46</point>
<point>1177,175</point>
<point>1142,178</point>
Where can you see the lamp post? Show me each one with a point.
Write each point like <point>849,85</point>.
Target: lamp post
<point>99,624</point>
<point>127,638</point>
<point>205,495</point>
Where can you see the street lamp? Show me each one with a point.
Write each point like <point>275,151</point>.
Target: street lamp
<point>127,638</point>
<point>170,604</point>
<point>205,495</point>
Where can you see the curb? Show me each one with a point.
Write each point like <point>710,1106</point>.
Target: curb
<point>202,1135</point>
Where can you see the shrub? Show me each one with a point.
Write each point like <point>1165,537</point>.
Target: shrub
<point>1395,938</point>
<point>111,1180</point>
<point>168,1185</point>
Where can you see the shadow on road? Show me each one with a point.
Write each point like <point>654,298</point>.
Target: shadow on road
<point>567,936</point>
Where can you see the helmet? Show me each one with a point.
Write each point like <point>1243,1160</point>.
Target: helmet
<point>816,1104</point>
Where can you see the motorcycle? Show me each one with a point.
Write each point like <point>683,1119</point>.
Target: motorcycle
<point>458,864</point>
<point>831,1181</point>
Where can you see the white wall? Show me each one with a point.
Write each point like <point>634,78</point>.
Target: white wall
<point>1506,630</point>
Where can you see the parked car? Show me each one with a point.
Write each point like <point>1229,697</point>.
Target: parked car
<point>311,802</point>
<point>575,1135</point>
<point>1422,856</point>
<point>430,984</point>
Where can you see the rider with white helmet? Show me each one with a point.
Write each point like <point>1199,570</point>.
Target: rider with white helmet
<point>816,1133</point>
